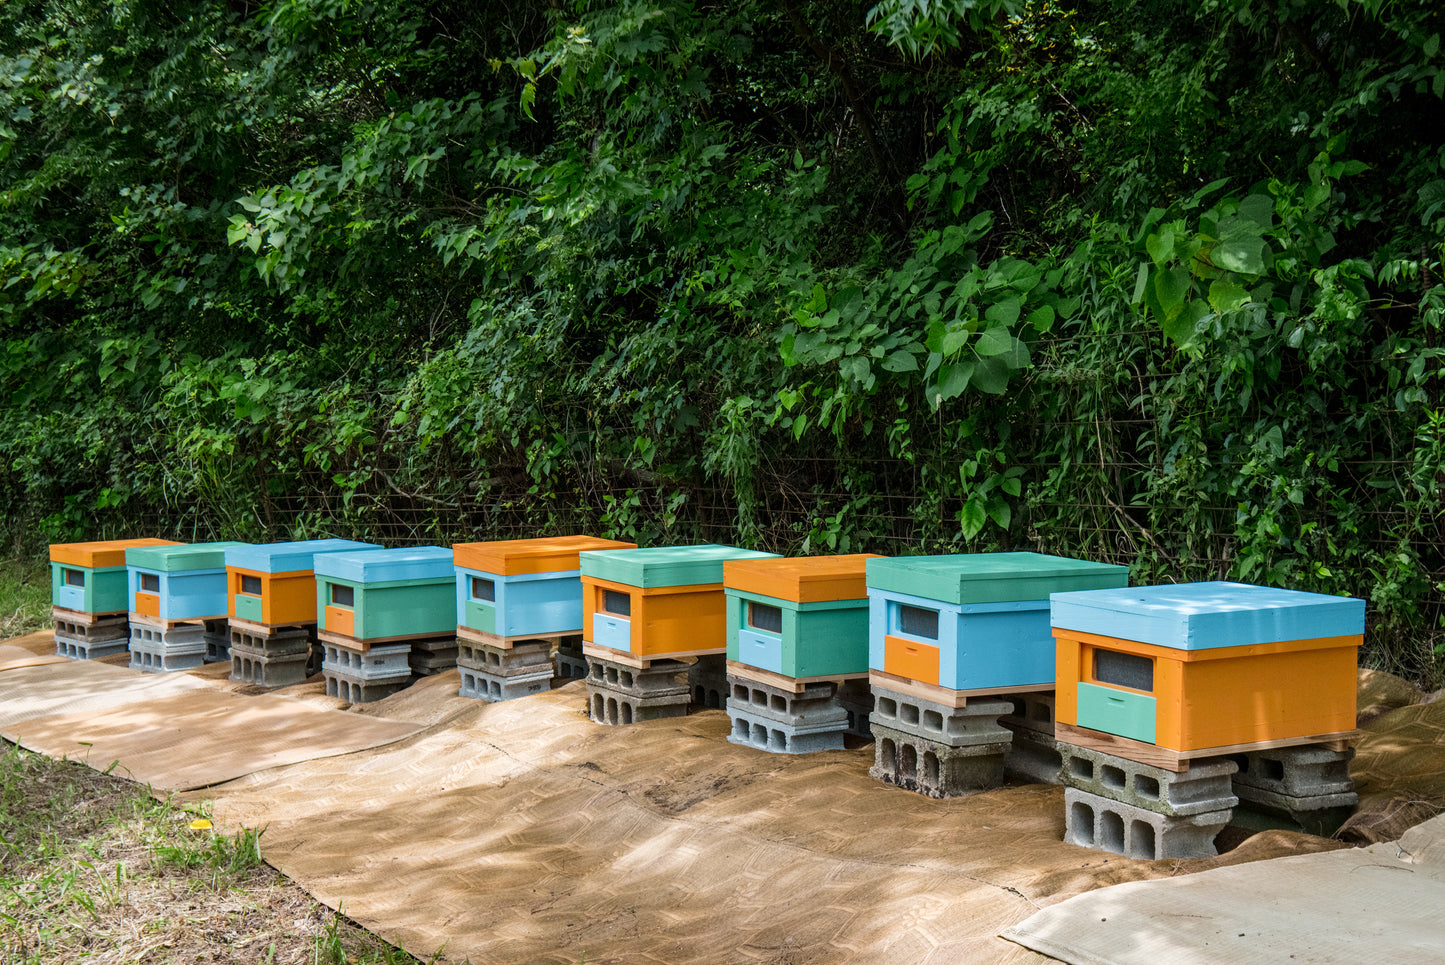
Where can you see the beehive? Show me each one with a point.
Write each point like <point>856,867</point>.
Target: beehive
<point>801,617</point>
<point>976,622</point>
<point>384,595</point>
<point>91,577</point>
<point>180,582</point>
<point>659,602</point>
<point>1196,668</point>
<point>273,584</point>
<point>523,587</point>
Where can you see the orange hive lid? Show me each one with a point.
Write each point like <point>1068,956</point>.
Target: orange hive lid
<point>545,554</point>
<point>110,552</point>
<point>801,579</point>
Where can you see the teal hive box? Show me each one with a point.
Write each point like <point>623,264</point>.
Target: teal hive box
<point>380,595</point>
<point>186,582</point>
<point>665,565</point>
<point>660,602</point>
<point>91,577</point>
<point>800,618</point>
<point>523,588</point>
<point>974,622</point>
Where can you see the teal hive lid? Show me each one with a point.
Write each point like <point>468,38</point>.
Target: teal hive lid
<point>287,557</point>
<point>420,563</point>
<point>176,559</point>
<point>665,565</point>
<point>991,577</point>
<point>1205,616</point>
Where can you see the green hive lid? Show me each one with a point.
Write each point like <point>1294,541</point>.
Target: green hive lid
<point>176,559</point>
<point>665,565</point>
<point>991,577</point>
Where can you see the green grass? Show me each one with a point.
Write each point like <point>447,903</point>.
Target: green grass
<point>24,596</point>
<point>95,867</point>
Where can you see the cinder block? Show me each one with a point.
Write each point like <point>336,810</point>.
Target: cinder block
<point>607,706</point>
<point>384,662</point>
<point>708,681</point>
<point>1098,822</point>
<point>185,638</point>
<point>433,656</point>
<point>250,666</point>
<point>278,642</point>
<point>572,666</point>
<point>523,658</point>
<point>85,636</point>
<point>933,768</point>
<point>664,678</point>
<point>1205,788</point>
<point>856,697</point>
<point>1307,771</point>
<point>974,724</point>
<point>1033,712</point>
<point>162,650</point>
<point>360,691</point>
<point>482,685</point>
<point>218,641</point>
<point>425,665</point>
<point>785,722</point>
<point>815,705</point>
<point>157,662</point>
<point>1033,755</point>
<point>779,737</point>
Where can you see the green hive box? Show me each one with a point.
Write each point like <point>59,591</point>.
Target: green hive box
<point>387,594</point>
<point>800,617</point>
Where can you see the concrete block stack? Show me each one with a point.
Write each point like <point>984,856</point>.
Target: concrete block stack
<point>1174,703</point>
<point>628,693</point>
<point>271,599</point>
<point>89,597</point>
<point>950,637</point>
<point>648,614</point>
<point>517,603</point>
<point>1034,752</point>
<point>177,596</point>
<point>218,640</point>
<point>504,670</point>
<point>1143,811</point>
<point>1304,788</point>
<point>797,633</point>
<point>372,607</point>
<point>938,749</point>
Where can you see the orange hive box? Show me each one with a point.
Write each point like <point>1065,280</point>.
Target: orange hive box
<point>1205,668</point>
<point>518,557</point>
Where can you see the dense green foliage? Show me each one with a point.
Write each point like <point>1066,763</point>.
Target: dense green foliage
<point>1143,281</point>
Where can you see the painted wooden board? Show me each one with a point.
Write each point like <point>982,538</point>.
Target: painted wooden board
<point>1198,616</point>
<point>411,563</point>
<point>179,557</point>
<point>101,553</point>
<point>780,682</point>
<point>801,579</point>
<point>991,577</point>
<point>940,695</point>
<point>543,554</point>
<point>288,557</point>
<point>665,565</point>
<point>507,643</point>
<point>636,662</point>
